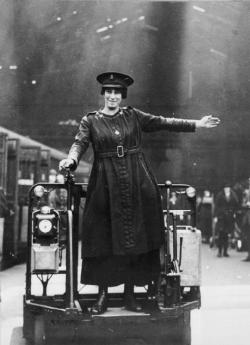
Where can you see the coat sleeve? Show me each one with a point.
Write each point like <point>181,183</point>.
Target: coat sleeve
<point>217,206</point>
<point>81,142</point>
<point>151,123</point>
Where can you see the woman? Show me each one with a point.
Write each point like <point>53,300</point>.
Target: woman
<point>123,223</point>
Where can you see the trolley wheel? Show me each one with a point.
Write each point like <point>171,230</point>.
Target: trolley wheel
<point>39,330</point>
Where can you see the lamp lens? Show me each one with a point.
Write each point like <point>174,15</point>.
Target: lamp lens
<point>39,191</point>
<point>190,191</point>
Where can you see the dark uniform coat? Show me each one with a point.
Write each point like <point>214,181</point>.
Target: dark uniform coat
<point>246,218</point>
<point>225,210</point>
<point>123,212</point>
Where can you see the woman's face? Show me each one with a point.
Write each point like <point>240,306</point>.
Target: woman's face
<point>112,98</point>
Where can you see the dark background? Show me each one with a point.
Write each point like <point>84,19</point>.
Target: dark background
<point>188,59</point>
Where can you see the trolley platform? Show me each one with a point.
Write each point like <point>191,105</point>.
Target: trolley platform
<point>50,325</point>
<point>57,311</point>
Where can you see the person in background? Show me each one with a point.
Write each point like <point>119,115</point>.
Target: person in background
<point>205,213</point>
<point>62,193</point>
<point>123,227</point>
<point>5,211</point>
<point>226,206</point>
<point>175,203</point>
<point>52,176</point>
<point>238,188</point>
<point>52,197</point>
<point>58,196</point>
<point>246,218</point>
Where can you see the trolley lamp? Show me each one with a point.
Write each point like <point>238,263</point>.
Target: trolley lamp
<point>39,191</point>
<point>191,192</point>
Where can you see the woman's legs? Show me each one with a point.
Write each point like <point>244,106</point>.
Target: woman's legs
<point>131,270</point>
<point>101,303</point>
<point>130,302</point>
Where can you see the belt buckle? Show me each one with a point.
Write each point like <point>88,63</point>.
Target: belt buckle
<point>120,151</point>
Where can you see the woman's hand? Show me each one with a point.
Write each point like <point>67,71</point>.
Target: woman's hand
<point>66,164</point>
<point>208,121</point>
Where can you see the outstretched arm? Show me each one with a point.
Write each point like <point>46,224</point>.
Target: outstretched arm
<point>151,123</point>
<point>208,121</point>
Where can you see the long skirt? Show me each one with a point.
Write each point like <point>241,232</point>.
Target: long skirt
<point>117,269</point>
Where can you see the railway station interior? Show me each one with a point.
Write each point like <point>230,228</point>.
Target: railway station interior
<point>188,59</point>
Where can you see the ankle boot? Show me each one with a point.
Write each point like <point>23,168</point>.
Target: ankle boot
<point>129,298</point>
<point>219,252</point>
<point>100,305</point>
<point>225,253</point>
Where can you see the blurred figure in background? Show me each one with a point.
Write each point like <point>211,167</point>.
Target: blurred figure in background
<point>58,196</point>
<point>4,208</point>
<point>52,197</point>
<point>226,206</point>
<point>239,188</point>
<point>60,178</point>
<point>5,212</point>
<point>62,193</point>
<point>174,202</point>
<point>246,219</point>
<point>205,206</point>
<point>52,176</point>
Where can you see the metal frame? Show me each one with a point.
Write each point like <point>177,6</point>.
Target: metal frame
<point>74,306</point>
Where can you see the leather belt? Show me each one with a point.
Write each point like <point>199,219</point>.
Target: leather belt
<point>120,152</point>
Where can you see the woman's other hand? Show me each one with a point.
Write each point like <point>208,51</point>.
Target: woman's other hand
<point>208,121</point>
